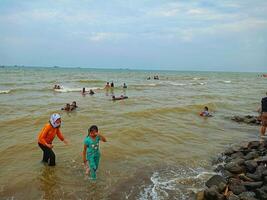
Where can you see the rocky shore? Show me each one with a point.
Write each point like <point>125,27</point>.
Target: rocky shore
<point>248,119</point>
<point>242,174</point>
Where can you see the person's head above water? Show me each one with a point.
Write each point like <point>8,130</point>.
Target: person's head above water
<point>92,130</point>
<point>83,90</point>
<point>55,120</point>
<point>206,108</point>
<point>73,103</point>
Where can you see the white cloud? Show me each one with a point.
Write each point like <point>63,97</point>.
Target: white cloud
<point>103,36</point>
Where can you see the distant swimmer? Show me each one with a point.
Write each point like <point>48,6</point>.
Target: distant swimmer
<point>124,86</point>
<point>156,77</point>
<point>57,87</point>
<point>73,105</point>
<point>148,78</point>
<point>205,112</point>
<point>91,152</point>
<point>91,92</point>
<point>112,84</point>
<point>46,137</point>
<point>67,107</point>
<point>119,98</point>
<point>107,86</point>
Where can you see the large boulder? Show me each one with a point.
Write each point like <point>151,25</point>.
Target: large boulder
<point>215,180</point>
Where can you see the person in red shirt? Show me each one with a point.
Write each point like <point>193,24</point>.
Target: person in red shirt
<point>47,135</point>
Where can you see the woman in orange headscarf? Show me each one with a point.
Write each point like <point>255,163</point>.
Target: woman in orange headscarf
<point>47,135</point>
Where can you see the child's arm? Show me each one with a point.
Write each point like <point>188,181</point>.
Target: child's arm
<point>84,154</point>
<point>102,138</point>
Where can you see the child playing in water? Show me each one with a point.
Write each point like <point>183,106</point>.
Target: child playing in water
<point>73,106</point>
<point>67,107</point>
<point>91,153</point>
<point>205,112</point>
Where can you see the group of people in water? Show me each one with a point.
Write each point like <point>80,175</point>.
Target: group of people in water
<point>70,107</point>
<point>156,77</point>
<point>91,153</point>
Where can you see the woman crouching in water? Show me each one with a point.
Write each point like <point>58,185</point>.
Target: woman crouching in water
<point>47,135</point>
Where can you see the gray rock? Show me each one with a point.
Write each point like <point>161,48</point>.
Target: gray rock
<point>238,154</point>
<point>261,193</point>
<point>251,155</point>
<point>255,177</point>
<point>212,193</point>
<point>253,144</point>
<point>233,167</point>
<point>233,197</point>
<point>236,186</point>
<point>252,185</point>
<point>262,159</point>
<point>247,196</point>
<point>215,180</point>
<point>251,165</point>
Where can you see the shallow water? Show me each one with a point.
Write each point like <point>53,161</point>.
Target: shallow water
<point>158,147</point>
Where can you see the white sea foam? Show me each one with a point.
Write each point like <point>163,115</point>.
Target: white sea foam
<point>227,81</point>
<point>4,91</point>
<point>76,89</point>
<point>176,181</point>
<point>173,83</point>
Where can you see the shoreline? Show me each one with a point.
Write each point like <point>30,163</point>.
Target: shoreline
<point>242,174</point>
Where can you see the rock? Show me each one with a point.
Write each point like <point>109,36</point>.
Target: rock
<point>252,185</point>
<point>212,194</point>
<point>252,120</point>
<point>233,167</point>
<point>251,155</point>
<point>255,177</point>
<point>215,180</point>
<point>244,177</point>
<point>251,165</point>
<point>200,195</point>
<point>261,193</point>
<point>238,154</point>
<point>262,159</point>
<point>253,144</point>
<point>233,197</point>
<point>236,186</point>
<point>229,151</point>
<point>264,173</point>
<point>247,196</point>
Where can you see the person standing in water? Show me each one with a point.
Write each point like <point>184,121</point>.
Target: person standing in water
<point>263,115</point>
<point>91,153</point>
<point>46,137</point>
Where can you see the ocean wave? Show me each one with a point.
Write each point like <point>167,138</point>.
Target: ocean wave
<point>65,89</point>
<point>168,183</point>
<point>223,81</point>
<point>174,83</point>
<point>91,81</point>
<point>5,91</point>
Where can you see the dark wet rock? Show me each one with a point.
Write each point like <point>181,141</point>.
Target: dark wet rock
<point>247,196</point>
<point>261,193</point>
<point>215,180</point>
<point>260,169</point>
<point>244,177</point>
<point>248,119</point>
<point>233,167</point>
<point>212,193</point>
<point>251,165</point>
<point>233,197</point>
<point>253,144</point>
<point>236,186</point>
<point>255,177</point>
<point>252,185</point>
<point>238,154</point>
<point>262,159</point>
<point>219,168</point>
<point>229,151</point>
<point>251,155</point>
<point>264,173</point>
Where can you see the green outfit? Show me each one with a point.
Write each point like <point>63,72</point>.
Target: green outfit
<point>92,154</point>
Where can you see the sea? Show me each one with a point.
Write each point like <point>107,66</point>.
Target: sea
<point>158,147</point>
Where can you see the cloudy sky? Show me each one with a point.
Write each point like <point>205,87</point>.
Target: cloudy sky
<point>212,35</point>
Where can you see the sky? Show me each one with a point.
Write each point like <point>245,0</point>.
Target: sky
<point>202,35</point>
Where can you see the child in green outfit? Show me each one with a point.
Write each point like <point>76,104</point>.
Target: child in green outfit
<point>91,153</point>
